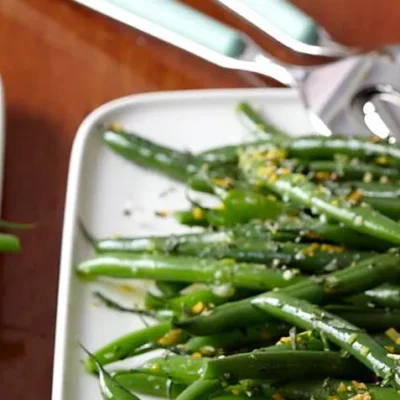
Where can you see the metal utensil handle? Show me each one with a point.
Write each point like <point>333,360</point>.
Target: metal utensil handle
<point>288,25</point>
<point>190,30</point>
<point>279,18</point>
<point>173,22</point>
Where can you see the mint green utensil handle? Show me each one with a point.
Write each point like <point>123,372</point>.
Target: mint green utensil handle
<point>188,23</point>
<point>283,16</point>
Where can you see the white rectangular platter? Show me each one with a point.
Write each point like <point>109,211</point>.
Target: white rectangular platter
<point>111,195</point>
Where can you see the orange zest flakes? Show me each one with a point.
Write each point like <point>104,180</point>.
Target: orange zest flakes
<point>272,178</point>
<point>126,289</point>
<point>266,172</point>
<point>330,248</point>
<point>198,308</point>
<point>171,338</point>
<point>115,126</point>
<point>374,139</point>
<point>322,176</point>
<point>258,155</point>
<point>276,154</point>
<point>334,176</point>
<point>311,235</point>
<point>382,160</point>
<point>162,213</point>
<point>198,213</point>
<point>393,334</point>
<point>358,385</point>
<point>389,349</point>
<point>355,196</point>
<point>223,182</point>
<point>284,171</point>
<point>285,340</point>
<point>311,249</point>
<point>342,388</point>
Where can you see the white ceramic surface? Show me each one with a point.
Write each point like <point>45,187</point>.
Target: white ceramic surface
<point>102,187</point>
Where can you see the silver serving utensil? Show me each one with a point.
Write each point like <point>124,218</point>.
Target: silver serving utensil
<point>289,26</point>
<point>335,95</point>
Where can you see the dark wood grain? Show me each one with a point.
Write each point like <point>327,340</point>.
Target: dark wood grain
<point>58,62</point>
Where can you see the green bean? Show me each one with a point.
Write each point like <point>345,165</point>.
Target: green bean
<point>15,225</point>
<point>386,295</point>
<point>306,340</point>
<point>186,269</point>
<point>191,218</point>
<point>126,345</point>
<point>145,383</point>
<point>200,390</point>
<point>150,155</point>
<point>335,390</point>
<point>165,244</point>
<point>364,275</point>
<point>180,368</point>
<point>282,365</point>
<point>231,244</point>
<point>118,307</point>
<point>284,230</point>
<point>109,387</point>
<point>203,180</point>
<point>9,243</point>
<point>241,338</point>
<point>353,169</point>
<point>314,257</point>
<point>368,189</point>
<point>390,345</point>
<point>192,302</point>
<point>370,319</point>
<point>227,154</point>
<point>240,206</point>
<point>243,205</point>
<point>149,384</point>
<point>256,122</point>
<point>319,147</point>
<point>314,148</point>
<point>297,188</point>
<point>340,332</point>
<point>169,289</point>
<point>380,201</point>
<point>388,207</point>
<point>307,229</point>
<point>310,229</point>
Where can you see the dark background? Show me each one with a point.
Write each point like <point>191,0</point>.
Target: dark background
<point>58,62</point>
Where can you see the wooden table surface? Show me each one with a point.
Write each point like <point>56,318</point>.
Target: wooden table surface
<point>58,62</point>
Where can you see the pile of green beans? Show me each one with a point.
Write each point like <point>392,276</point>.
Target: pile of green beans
<point>289,290</point>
